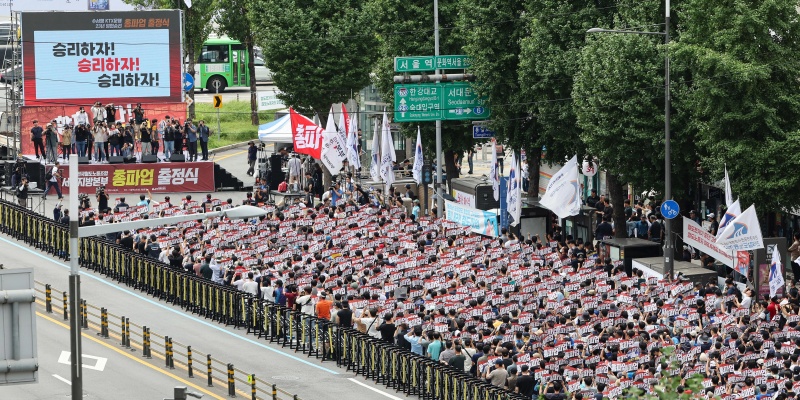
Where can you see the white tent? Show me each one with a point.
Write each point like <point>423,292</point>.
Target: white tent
<point>278,131</point>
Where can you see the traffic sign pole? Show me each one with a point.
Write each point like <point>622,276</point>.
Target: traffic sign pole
<point>216,89</point>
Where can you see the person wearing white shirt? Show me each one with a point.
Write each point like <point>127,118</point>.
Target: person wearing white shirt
<point>267,290</point>
<point>294,167</point>
<point>250,286</point>
<point>81,117</point>
<point>217,276</point>
<point>306,301</point>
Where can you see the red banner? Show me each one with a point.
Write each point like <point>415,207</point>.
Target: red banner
<point>306,136</point>
<point>138,178</point>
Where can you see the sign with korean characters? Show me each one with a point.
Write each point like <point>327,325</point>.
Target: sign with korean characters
<point>430,63</point>
<point>438,101</point>
<point>83,57</point>
<point>138,178</point>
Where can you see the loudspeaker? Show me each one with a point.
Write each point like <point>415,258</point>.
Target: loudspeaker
<point>83,160</point>
<point>275,178</point>
<point>116,160</point>
<point>149,159</point>
<point>129,160</point>
<point>275,162</point>
<point>177,158</point>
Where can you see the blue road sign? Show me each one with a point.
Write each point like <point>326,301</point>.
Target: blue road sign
<point>670,209</point>
<point>481,132</point>
<point>188,82</point>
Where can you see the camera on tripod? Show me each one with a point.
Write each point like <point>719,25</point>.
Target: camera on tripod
<point>101,190</point>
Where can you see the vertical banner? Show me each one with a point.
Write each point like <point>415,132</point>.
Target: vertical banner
<point>83,57</point>
<point>478,221</point>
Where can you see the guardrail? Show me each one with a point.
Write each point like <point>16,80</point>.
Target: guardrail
<point>141,338</point>
<point>379,361</point>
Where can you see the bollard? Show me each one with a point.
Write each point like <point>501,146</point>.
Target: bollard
<point>252,386</point>
<point>105,322</point>
<point>122,331</point>
<point>208,364</point>
<point>48,299</point>
<point>274,392</point>
<point>145,344</point>
<point>231,384</point>
<point>84,314</point>
<point>171,355</point>
<point>128,333</point>
<point>189,361</point>
<point>166,351</point>
<point>66,315</point>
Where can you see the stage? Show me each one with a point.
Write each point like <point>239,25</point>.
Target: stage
<point>138,178</point>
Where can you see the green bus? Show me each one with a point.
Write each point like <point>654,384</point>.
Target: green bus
<point>224,63</point>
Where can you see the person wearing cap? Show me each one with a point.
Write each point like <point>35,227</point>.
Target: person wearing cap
<point>498,375</point>
<point>252,155</point>
<point>714,225</point>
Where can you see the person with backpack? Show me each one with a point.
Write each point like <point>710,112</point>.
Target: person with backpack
<point>52,178</point>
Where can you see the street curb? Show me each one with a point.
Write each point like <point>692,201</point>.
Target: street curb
<point>230,146</point>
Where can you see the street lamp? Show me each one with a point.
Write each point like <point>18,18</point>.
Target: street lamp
<point>75,233</point>
<point>669,249</point>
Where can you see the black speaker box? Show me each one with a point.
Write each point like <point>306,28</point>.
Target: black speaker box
<point>129,160</point>
<point>116,160</point>
<point>275,162</point>
<point>83,160</point>
<point>177,158</point>
<point>149,158</point>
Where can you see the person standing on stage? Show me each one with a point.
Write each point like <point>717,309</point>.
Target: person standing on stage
<point>203,133</point>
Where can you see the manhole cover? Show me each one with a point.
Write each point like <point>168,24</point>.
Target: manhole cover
<point>286,378</point>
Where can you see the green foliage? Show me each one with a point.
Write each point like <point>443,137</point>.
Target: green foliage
<point>742,103</point>
<point>666,388</point>
<point>197,19</point>
<point>320,52</point>
<point>234,122</point>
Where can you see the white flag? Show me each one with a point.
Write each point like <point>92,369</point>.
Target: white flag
<point>776,281</point>
<point>188,3</point>
<point>728,191</point>
<point>733,211</point>
<point>333,148</point>
<point>375,167</point>
<point>743,233</point>
<point>387,153</point>
<point>352,144</point>
<point>418,159</point>
<point>562,195</point>
<point>494,176</point>
<point>514,192</point>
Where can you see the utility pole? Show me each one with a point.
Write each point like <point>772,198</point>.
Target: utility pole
<point>439,190</point>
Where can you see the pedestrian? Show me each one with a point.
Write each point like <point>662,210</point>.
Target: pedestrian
<point>53,177</point>
<point>251,157</point>
<point>155,136</point>
<point>203,134</point>
<point>470,155</point>
<point>51,140</point>
<point>146,139</point>
<point>22,192</point>
<point>66,142</point>
<point>37,137</point>
<point>191,139</point>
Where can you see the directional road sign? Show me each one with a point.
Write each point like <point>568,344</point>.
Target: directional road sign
<point>188,82</point>
<point>481,132</point>
<point>437,101</point>
<point>421,102</point>
<point>670,209</point>
<point>217,101</point>
<point>461,102</point>
<point>430,63</point>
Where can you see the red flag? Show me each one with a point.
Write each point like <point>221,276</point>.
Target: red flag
<point>346,120</point>
<point>306,136</point>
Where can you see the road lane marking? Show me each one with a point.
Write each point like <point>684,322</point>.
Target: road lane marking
<point>187,316</point>
<point>153,367</point>
<point>373,389</point>
<point>99,365</point>
<point>65,380</point>
<point>238,153</point>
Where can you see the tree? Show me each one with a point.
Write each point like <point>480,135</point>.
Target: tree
<point>406,28</point>
<point>742,103</point>
<point>549,58</point>
<point>319,52</point>
<point>493,31</point>
<point>233,22</point>
<point>196,27</point>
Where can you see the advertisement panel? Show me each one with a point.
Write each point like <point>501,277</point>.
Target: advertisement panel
<point>138,178</point>
<point>82,57</point>
<point>268,100</point>
<point>465,199</point>
<point>479,221</point>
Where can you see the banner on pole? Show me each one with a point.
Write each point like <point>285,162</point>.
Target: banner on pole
<point>700,239</point>
<point>479,221</point>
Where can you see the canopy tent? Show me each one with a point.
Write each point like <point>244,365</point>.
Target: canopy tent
<point>278,131</point>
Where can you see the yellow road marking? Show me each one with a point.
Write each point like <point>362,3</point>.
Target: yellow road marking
<point>153,367</point>
<point>230,155</point>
